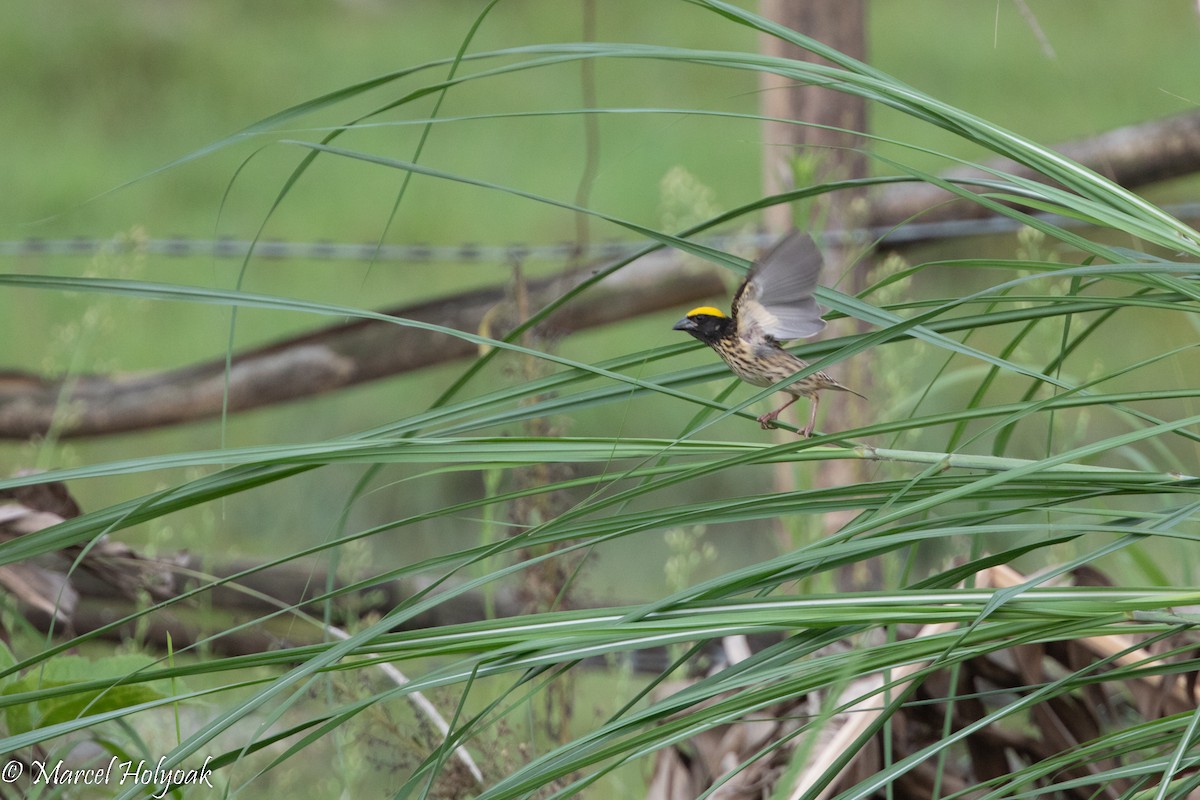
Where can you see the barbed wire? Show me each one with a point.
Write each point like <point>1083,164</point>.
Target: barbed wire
<point>469,252</point>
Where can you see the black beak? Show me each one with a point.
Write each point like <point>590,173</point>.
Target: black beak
<point>685,324</point>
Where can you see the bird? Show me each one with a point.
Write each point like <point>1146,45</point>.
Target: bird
<point>773,304</point>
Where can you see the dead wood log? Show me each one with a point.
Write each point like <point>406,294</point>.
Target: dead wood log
<point>104,588</point>
<point>334,357</point>
<point>1132,156</point>
<point>345,355</point>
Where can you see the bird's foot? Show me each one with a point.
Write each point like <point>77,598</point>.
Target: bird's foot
<point>767,421</point>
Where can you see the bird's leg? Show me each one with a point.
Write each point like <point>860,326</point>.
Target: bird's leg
<point>768,420</point>
<point>812,417</point>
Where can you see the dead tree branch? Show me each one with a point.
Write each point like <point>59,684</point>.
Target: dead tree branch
<point>104,589</point>
<point>1132,156</point>
<point>344,355</point>
<point>334,357</point>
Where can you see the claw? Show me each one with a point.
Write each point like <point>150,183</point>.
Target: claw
<point>767,421</point>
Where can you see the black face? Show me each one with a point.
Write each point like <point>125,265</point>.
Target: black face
<point>705,327</point>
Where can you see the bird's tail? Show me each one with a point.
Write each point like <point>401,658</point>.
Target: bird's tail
<point>841,388</point>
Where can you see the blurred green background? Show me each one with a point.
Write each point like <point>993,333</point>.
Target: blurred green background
<point>98,96</point>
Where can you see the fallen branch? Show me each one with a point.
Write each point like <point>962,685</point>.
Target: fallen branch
<point>102,589</point>
<point>1133,156</point>
<point>334,357</point>
<point>340,356</point>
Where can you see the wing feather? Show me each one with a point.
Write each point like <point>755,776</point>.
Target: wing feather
<point>776,298</point>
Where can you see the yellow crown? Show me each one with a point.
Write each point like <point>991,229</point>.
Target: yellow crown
<point>707,311</point>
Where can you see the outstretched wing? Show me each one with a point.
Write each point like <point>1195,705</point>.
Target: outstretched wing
<point>776,298</point>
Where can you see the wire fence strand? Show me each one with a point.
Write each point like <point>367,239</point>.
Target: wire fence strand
<point>470,252</point>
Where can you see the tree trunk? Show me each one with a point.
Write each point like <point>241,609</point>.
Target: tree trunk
<point>817,154</point>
